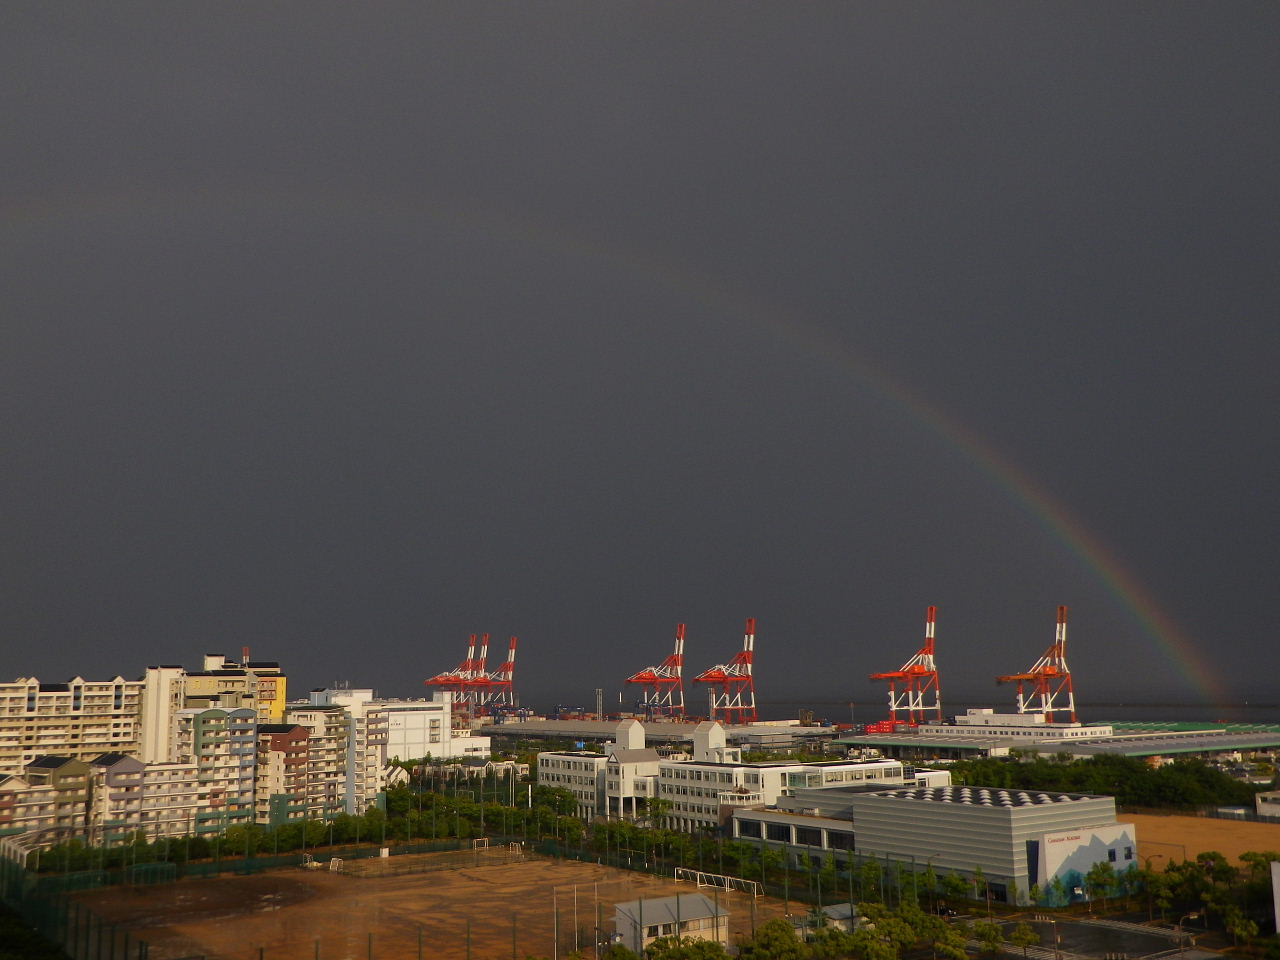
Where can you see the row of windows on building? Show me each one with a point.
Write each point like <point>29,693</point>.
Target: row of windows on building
<point>801,836</point>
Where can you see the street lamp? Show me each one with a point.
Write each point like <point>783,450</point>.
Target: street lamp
<point>1147,881</point>
<point>1194,915</point>
<point>1057,940</point>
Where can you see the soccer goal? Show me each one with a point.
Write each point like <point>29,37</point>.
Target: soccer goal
<point>480,843</point>
<point>718,880</point>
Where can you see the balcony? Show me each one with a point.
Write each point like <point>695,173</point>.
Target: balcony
<point>745,798</point>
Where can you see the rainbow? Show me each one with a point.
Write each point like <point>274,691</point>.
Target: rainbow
<point>27,220</point>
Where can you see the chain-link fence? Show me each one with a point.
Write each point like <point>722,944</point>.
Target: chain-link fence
<point>447,906</point>
<point>438,899</point>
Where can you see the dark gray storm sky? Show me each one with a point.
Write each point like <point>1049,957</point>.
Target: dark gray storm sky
<point>347,331</point>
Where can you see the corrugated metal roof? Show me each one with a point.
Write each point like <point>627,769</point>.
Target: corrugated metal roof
<point>691,906</point>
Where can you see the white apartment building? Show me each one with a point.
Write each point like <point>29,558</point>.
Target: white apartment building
<point>280,787</point>
<point>418,729</point>
<point>166,689</point>
<point>222,746</point>
<point>365,774</point>
<point>378,731</point>
<point>327,746</point>
<point>578,771</point>
<point>79,719</point>
<point>47,803</point>
<point>716,780</point>
<point>630,775</point>
<point>155,799</point>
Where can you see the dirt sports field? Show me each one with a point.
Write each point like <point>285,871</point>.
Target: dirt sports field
<point>1178,838</point>
<point>300,915</point>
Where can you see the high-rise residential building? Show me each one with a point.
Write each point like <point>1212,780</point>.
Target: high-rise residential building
<point>280,790</point>
<point>163,695</point>
<point>223,746</point>
<point>57,798</point>
<point>327,729</point>
<point>153,799</point>
<point>222,682</point>
<point>257,685</point>
<point>79,719</point>
<point>365,775</point>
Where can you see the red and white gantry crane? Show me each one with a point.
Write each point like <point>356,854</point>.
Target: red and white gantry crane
<point>733,687</point>
<point>454,681</point>
<point>1049,679</point>
<point>495,691</point>
<point>663,685</point>
<point>914,689</point>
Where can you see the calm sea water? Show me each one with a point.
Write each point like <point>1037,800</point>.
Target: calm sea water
<point>1265,710</point>
<point>1088,712</point>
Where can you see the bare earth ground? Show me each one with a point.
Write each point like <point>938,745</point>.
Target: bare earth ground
<point>1181,838</point>
<point>292,914</point>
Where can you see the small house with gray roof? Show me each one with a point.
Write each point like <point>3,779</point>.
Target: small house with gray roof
<point>694,916</point>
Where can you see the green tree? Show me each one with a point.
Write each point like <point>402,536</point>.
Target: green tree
<point>950,943</point>
<point>989,935</point>
<point>684,948</point>
<point>1239,926</point>
<point>871,878</point>
<point>828,875</point>
<point>954,887</point>
<point>659,808</point>
<point>1058,889</point>
<point>831,943</point>
<point>771,861</point>
<point>774,940</point>
<point>1100,880</point>
<point>867,946</point>
<point>896,932</point>
<point>1024,935</point>
<point>929,882</point>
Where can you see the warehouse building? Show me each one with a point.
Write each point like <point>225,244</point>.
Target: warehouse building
<point>1015,838</point>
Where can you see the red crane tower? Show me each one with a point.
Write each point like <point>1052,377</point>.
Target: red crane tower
<point>918,677</point>
<point>474,687</point>
<point>733,688</point>
<point>664,684</point>
<point>1048,678</point>
<point>453,680</point>
<point>460,681</point>
<point>493,691</point>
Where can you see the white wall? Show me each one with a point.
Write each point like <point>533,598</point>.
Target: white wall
<point>1069,853</point>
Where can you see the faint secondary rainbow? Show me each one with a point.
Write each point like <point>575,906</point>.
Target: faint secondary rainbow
<point>19,219</point>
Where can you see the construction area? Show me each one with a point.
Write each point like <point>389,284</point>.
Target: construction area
<point>448,910</point>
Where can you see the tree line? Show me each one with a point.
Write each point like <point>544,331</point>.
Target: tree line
<point>1181,785</point>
